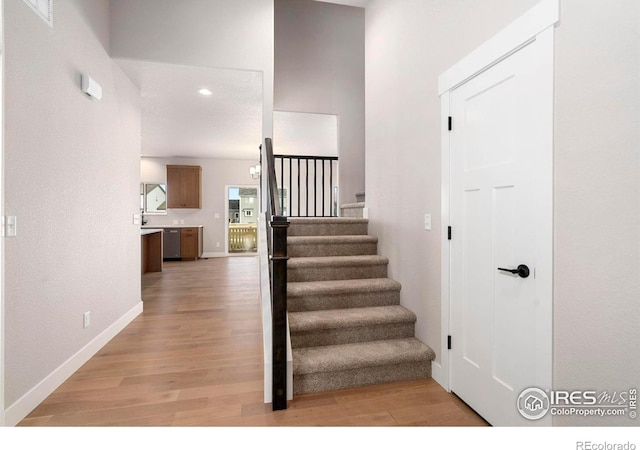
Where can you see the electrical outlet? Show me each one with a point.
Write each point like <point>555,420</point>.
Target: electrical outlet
<point>86,319</point>
<point>217,244</point>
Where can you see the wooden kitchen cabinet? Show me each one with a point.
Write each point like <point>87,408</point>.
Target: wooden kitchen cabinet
<point>190,243</point>
<point>184,186</point>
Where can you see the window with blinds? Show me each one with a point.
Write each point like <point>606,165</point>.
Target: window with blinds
<point>44,8</point>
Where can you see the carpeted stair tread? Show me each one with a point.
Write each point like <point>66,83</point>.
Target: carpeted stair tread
<point>350,317</point>
<point>326,240</point>
<point>337,294</point>
<point>364,354</point>
<point>345,245</point>
<point>326,220</point>
<point>325,268</point>
<point>327,226</point>
<point>338,287</point>
<point>336,261</point>
<point>353,205</point>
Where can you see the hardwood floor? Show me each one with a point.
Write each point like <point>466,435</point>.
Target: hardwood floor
<point>194,358</point>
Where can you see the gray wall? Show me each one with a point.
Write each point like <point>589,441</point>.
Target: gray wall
<point>597,183</point>
<point>62,151</point>
<point>216,174</point>
<point>319,68</point>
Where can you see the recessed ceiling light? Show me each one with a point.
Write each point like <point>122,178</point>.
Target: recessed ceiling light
<point>205,91</point>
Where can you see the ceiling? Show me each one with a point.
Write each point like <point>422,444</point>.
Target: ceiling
<point>178,121</point>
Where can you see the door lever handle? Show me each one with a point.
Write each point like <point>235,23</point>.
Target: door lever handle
<point>522,271</point>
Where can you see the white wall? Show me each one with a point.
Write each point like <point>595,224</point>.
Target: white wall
<point>206,33</point>
<point>597,183</point>
<point>319,68</point>
<point>2,403</point>
<point>62,151</point>
<point>597,199</point>
<point>409,43</point>
<point>216,174</point>
<point>96,15</point>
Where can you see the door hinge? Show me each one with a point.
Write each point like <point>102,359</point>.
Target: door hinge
<point>449,233</point>
<point>449,342</point>
<point>450,123</point>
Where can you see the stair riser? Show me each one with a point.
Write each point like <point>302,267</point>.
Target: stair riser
<point>357,213</point>
<point>302,250</point>
<point>331,381</point>
<point>337,273</point>
<point>328,229</point>
<point>352,335</point>
<point>357,300</point>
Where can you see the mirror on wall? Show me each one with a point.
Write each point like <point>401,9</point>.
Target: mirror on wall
<point>153,198</point>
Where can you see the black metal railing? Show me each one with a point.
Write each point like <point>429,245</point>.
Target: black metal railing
<point>277,225</point>
<point>307,185</point>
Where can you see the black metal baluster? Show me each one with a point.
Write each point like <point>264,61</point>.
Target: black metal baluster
<point>307,186</point>
<point>323,183</point>
<point>315,188</point>
<point>331,187</point>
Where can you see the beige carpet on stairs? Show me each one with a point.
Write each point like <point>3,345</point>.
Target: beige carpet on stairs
<point>348,328</point>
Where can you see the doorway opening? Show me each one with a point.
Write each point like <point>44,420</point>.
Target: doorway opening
<point>243,207</point>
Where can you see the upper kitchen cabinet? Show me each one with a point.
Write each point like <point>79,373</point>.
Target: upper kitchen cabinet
<point>184,186</point>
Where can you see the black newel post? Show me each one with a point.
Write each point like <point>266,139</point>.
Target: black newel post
<point>279,225</point>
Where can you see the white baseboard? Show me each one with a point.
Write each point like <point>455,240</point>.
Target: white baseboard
<point>28,402</point>
<point>438,375</point>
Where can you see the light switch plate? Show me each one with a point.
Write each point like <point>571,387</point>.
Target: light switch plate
<point>11,226</point>
<point>427,222</point>
<point>136,219</point>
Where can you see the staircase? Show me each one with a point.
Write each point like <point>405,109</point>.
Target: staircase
<point>347,326</point>
<point>353,209</point>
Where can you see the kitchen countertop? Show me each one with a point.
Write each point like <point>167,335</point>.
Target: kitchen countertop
<point>150,231</point>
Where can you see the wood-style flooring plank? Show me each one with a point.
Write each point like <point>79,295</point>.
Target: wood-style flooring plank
<point>194,358</point>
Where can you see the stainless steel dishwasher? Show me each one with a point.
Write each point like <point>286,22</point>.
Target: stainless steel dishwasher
<point>171,243</point>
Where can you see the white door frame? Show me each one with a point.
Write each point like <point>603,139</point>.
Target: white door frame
<point>226,211</point>
<point>537,24</point>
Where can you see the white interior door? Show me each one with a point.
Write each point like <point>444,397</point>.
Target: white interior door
<point>498,192</point>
